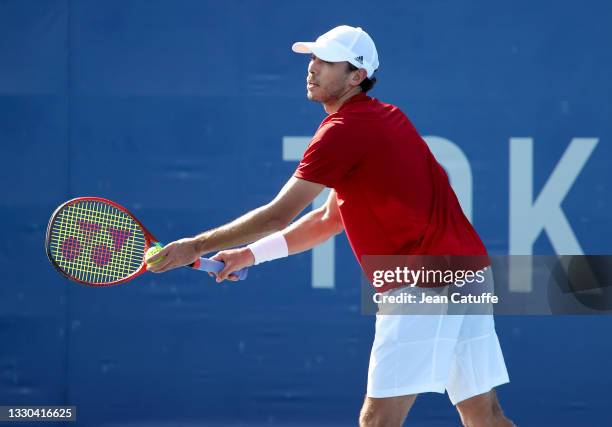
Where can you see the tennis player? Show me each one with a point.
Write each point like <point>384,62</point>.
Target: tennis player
<point>392,198</point>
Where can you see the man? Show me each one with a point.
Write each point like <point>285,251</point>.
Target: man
<point>392,198</point>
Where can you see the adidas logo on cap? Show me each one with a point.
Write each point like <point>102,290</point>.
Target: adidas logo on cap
<point>359,59</point>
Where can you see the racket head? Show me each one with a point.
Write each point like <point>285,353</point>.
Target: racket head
<point>96,242</point>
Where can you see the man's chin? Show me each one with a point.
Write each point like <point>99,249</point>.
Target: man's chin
<point>312,97</point>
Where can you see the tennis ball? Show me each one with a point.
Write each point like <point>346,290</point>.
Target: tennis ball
<point>150,252</point>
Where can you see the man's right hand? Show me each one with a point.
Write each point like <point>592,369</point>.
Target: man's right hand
<point>234,259</point>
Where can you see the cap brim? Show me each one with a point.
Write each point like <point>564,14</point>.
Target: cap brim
<point>321,51</point>
<point>302,47</point>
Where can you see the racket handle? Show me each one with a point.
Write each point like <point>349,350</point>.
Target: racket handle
<point>213,266</point>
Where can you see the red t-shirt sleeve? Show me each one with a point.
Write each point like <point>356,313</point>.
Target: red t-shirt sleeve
<point>330,156</point>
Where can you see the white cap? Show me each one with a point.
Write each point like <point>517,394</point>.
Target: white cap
<point>343,43</point>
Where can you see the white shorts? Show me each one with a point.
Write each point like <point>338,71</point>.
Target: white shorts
<point>420,353</point>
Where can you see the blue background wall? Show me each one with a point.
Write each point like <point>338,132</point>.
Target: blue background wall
<point>177,109</point>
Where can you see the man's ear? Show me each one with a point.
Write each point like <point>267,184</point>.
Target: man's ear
<point>359,76</point>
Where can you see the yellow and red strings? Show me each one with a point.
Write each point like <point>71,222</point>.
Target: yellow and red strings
<point>97,243</point>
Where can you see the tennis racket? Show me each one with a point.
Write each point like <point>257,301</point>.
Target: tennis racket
<point>97,242</point>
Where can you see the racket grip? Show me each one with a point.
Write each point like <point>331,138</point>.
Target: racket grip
<point>213,266</point>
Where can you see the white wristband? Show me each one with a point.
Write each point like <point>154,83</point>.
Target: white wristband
<point>270,247</point>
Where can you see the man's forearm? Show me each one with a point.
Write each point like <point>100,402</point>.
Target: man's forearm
<point>295,195</point>
<point>311,230</point>
<point>249,227</point>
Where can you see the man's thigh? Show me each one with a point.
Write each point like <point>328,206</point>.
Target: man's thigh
<point>385,411</point>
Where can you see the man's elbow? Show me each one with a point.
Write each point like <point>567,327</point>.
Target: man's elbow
<point>333,224</point>
<point>338,227</point>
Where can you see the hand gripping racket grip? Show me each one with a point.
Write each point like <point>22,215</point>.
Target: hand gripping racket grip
<point>213,266</point>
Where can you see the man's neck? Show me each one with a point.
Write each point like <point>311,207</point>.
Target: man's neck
<point>332,107</point>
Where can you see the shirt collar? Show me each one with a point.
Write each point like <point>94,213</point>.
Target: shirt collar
<point>356,98</point>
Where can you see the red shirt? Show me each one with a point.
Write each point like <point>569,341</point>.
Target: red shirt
<point>394,197</point>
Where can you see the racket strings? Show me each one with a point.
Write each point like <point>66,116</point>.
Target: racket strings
<point>96,243</point>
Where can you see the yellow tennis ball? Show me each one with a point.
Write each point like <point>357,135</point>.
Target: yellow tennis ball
<point>150,252</point>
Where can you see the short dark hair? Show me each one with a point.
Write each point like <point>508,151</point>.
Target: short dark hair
<point>367,83</point>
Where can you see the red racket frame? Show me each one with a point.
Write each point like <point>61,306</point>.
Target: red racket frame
<point>149,241</point>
